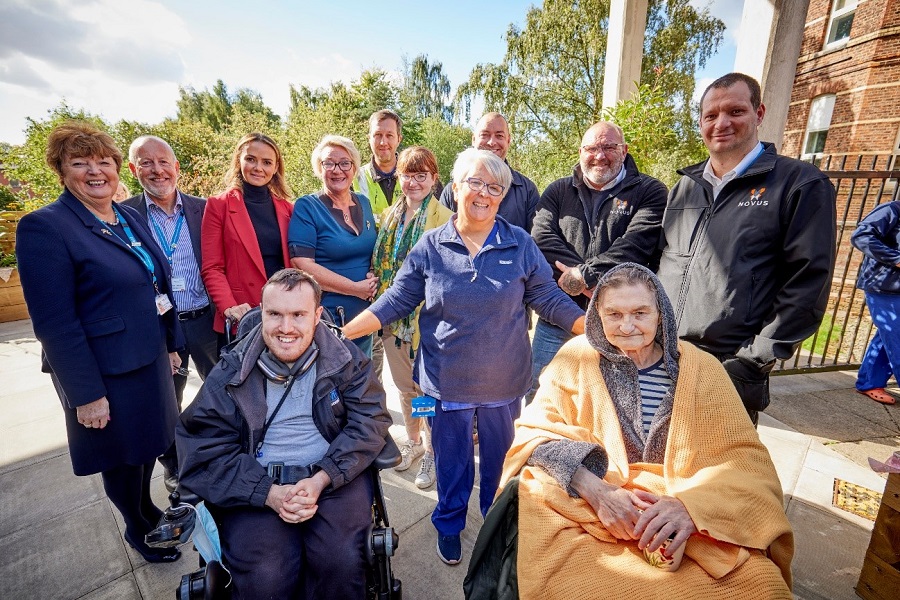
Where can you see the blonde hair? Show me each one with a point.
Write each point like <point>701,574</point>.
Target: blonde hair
<point>278,185</point>
<point>333,141</point>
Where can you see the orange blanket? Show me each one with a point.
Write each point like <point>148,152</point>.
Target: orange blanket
<point>715,464</point>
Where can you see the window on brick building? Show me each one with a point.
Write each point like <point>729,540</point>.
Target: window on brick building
<point>841,21</point>
<point>817,125</point>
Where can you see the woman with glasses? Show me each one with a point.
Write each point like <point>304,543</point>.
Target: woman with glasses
<point>476,275</point>
<point>243,238</point>
<point>402,224</point>
<point>332,234</point>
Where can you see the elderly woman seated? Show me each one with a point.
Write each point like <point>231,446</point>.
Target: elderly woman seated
<point>635,440</point>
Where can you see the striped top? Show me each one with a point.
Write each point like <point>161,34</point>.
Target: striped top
<point>654,382</point>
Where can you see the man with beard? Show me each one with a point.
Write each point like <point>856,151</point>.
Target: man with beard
<point>604,214</point>
<point>174,218</point>
<point>277,443</point>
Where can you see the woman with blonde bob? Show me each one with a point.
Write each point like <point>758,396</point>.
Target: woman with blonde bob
<point>332,233</point>
<point>244,232</point>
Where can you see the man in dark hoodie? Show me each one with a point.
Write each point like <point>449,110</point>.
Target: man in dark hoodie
<point>276,443</point>
<point>748,248</point>
<point>604,214</point>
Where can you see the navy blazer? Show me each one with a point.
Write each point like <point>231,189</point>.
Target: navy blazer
<point>90,297</point>
<point>193,215</point>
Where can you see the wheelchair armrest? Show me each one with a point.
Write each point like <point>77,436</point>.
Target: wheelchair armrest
<point>389,456</point>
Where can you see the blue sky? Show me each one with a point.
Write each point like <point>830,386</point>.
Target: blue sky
<point>126,58</point>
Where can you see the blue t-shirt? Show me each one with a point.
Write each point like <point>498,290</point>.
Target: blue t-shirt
<point>316,233</point>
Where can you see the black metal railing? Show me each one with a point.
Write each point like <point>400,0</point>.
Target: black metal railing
<point>862,183</point>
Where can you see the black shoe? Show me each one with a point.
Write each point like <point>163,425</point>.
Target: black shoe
<point>153,555</point>
<point>170,479</point>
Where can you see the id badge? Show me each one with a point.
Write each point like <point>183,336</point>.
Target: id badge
<point>163,304</point>
<point>423,406</point>
<point>178,284</point>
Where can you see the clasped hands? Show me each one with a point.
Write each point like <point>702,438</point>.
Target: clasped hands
<point>298,502</point>
<point>636,514</point>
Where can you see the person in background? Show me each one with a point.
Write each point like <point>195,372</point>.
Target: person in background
<point>878,238</point>
<point>415,212</point>
<point>377,179</point>
<point>520,203</point>
<point>98,292</point>
<point>476,275</point>
<point>332,234</point>
<point>244,232</point>
<point>174,218</point>
<point>122,193</point>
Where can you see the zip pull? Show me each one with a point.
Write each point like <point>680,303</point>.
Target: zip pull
<point>474,275</point>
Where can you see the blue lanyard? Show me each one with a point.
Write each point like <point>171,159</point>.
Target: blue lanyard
<point>168,247</point>
<point>135,246</point>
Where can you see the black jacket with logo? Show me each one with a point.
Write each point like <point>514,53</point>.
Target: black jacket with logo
<point>627,226</point>
<point>218,431</point>
<point>750,273</point>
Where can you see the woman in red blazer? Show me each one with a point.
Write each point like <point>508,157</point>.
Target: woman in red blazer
<point>244,232</point>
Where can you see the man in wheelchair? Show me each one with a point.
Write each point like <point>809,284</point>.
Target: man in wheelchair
<point>277,443</point>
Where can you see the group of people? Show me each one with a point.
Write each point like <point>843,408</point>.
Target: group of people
<point>687,297</point>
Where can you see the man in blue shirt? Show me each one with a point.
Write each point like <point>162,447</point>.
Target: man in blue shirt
<point>174,218</point>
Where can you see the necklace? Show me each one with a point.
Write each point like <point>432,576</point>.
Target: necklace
<point>113,223</point>
<point>347,217</point>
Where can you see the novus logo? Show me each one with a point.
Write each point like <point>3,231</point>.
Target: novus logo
<point>755,198</point>
<point>620,207</point>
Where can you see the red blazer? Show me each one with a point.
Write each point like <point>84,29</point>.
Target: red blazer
<point>232,268</point>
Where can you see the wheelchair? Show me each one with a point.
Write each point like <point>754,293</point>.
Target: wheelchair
<point>212,581</point>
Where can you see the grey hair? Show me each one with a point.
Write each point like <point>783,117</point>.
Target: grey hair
<point>333,141</point>
<point>471,158</point>
<point>140,141</point>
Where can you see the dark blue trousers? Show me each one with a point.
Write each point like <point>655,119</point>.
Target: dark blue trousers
<point>882,358</point>
<point>454,459</point>
<point>320,558</point>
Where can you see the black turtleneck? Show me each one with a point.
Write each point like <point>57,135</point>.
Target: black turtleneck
<point>261,209</point>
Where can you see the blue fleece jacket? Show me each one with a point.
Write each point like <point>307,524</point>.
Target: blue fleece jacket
<point>474,345</point>
<point>878,238</point>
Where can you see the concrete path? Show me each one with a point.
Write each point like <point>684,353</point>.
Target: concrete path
<point>61,538</point>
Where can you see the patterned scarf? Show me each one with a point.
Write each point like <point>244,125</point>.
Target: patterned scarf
<point>391,250</point>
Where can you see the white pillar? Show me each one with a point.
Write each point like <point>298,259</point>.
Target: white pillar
<point>624,49</point>
<point>773,65</point>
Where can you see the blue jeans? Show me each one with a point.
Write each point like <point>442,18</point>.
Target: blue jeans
<point>882,357</point>
<point>454,459</point>
<point>548,339</point>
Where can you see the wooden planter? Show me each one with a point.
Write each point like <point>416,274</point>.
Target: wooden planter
<point>12,301</point>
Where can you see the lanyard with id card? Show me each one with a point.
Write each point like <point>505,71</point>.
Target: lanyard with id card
<point>168,247</point>
<point>163,304</point>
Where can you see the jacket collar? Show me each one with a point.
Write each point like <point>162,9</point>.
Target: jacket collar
<point>764,163</point>
<point>333,354</point>
<point>503,237</point>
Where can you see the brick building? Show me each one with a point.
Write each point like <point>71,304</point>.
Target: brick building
<point>846,94</point>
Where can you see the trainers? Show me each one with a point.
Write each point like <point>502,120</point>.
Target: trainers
<point>449,549</point>
<point>408,453</point>
<point>425,478</point>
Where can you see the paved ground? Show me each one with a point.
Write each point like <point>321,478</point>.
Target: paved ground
<point>60,537</point>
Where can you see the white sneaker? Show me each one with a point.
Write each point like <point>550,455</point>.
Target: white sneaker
<point>425,478</point>
<point>409,452</point>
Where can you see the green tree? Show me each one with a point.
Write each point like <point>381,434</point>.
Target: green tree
<point>550,82</point>
<point>426,90</point>
<point>218,107</point>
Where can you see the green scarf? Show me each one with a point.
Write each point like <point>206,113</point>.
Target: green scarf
<point>390,253</point>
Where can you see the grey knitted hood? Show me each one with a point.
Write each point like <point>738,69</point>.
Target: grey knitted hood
<point>621,374</point>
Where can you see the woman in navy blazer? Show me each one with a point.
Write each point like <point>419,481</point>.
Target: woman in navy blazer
<point>98,293</point>
<point>244,231</point>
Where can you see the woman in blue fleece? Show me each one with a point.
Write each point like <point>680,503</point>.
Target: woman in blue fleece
<point>474,277</point>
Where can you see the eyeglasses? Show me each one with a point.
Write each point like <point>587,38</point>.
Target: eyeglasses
<point>344,165</point>
<point>605,148</point>
<point>420,177</point>
<point>476,185</point>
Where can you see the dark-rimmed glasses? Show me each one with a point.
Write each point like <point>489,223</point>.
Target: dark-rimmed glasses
<point>344,165</point>
<point>420,177</point>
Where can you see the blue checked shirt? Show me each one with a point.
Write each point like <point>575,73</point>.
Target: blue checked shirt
<point>183,262</point>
